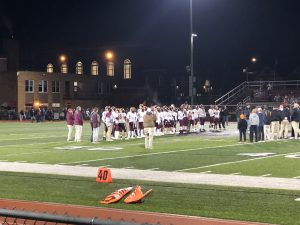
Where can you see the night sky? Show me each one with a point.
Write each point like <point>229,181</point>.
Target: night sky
<point>155,34</point>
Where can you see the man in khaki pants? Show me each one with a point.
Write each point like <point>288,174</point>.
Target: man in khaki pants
<point>149,124</point>
<point>285,121</point>
<point>295,120</point>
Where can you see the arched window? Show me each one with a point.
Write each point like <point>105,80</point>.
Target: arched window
<point>64,68</point>
<point>110,69</point>
<point>79,68</point>
<point>49,68</point>
<point>94,68</point>
<point>127,69</point>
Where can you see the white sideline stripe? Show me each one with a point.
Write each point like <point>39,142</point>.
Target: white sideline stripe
<point>266,175</point>
<point>40,162</point>
<point>156,153</point>
<point>233,162</point>
<point>20,161</point>
<point>297,177</point>
<point>84,164</point>
<point>153,169</point>
<point>3,160</point>
<point>129,167</point>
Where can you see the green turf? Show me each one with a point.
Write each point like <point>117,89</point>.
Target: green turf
<point>44,142</point>
<point>270,206</point>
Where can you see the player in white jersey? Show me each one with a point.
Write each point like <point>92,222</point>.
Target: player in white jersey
<point>180,115</point>
<point>216,117</point>
<point>158,122</point>
<point>140,117</point>
<point>122,122</point>
<point>211,116</point>
<point>175,119</point>
<point>132,120</point>
<point>202,116</point>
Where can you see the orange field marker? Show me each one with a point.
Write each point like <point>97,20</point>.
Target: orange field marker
<point>104,175</point>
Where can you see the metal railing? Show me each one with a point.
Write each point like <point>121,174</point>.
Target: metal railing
<point>17,217</point>
<point>231,95</point>
<point>242,90</point>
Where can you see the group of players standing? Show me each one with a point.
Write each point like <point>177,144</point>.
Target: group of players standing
<point>169,120</point>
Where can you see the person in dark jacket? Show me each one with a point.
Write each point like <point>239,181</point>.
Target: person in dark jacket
<point>242,126</point>
<point>95,118</point>
<point>70,123</point>
<point>285,121</point>
<point>262,121</point>
<point>275,123</point>
<point>295,118</point>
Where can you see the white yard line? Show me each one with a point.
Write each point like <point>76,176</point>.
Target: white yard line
<point>234,162</point>
<point>154,153</point>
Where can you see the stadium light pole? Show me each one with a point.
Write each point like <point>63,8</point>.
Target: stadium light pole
<point>192,35</point>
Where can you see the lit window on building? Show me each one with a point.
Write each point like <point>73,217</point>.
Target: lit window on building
<point>79,68</point>
<point>55,86</point>
<point>110,69</point>
<point>43,86</point>
<point>49,68</point>
<point>94,68</point>
<point>64,68</point>
<point>127,69</point>
<point>29,86</point>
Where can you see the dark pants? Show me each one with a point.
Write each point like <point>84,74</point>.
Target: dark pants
<point>91,123</point>
<point>253,129</point>
<point>222,121</point>
<point>242,134</point>
<point>261,135</point>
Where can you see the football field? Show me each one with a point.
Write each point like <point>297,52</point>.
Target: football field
<point>218,153</point>
<point>208,154</point>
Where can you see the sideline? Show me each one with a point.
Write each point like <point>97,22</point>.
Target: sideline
<point>157,176</point>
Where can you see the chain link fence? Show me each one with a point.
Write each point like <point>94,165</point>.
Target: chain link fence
<point>21,217</point>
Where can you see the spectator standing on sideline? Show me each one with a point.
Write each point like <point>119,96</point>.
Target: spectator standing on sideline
<point>285,121</point>
<point>96,124</point>
<point>253,123</point>
<point>262,121</point>
<point>275,123</point>
<point>70,123</point>
<point>149,124</point>
<point>295,117</point>
<point>78,122</point>
<point>242,126</point>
